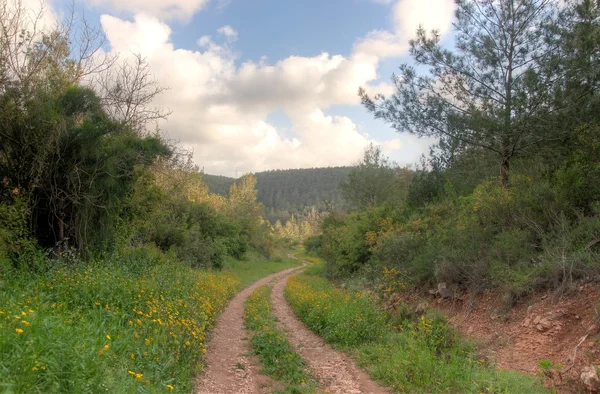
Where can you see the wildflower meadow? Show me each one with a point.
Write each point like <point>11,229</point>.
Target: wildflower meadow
<point>107,328</point>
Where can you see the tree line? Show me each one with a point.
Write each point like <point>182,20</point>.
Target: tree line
<point>287,193</point>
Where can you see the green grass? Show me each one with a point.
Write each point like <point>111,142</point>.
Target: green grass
<point>410,354</point>
<point>279,359</point>
<point>137,323</point>
<point>256,266</point>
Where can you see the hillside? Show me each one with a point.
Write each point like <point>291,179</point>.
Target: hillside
<point>286,192</point>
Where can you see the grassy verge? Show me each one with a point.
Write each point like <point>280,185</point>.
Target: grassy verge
<point>134,324</point>
<point>410,354</point>
<point>256,266</point>
<point>279,359</point>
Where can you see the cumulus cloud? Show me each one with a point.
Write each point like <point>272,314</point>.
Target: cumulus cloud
<point>407,16</point>
<point>167,9</point>
<point>228,32</point>
<point>220,108</point>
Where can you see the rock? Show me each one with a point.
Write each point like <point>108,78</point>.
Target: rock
<point>543,325</point>
<point>537,319</point>
<point>527,322</point>
<point>546,323</point>
<point>590,379</point>
<point>529,310</point>
<point>444,292</point>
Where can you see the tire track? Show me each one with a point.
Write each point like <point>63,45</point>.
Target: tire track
<point>229,368</point>
<point>335,372</point>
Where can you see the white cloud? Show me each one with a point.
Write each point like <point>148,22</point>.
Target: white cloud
<point>204,41</point>
<point>220,108</point>
<point>432,14</point>
<point>392,145</point>
<point>407,16</point>
<point>167,9</point>
<point>144,35</point>
<point>228,32</point>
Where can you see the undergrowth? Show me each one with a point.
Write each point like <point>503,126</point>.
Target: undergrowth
<point>279,359</point>
<point>410,354</point>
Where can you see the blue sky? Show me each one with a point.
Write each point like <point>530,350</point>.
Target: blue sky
<point>264,84</point>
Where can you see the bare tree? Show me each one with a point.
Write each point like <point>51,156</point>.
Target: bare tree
<point>40,51</point>
<point>128,90</point>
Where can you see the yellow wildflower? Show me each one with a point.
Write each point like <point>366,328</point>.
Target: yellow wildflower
<point>18,331</point>
<point>170,387</point>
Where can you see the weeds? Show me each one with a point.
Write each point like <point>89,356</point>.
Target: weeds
<point>279,359</point>
<point>135,324</point>
<point>417,356</point>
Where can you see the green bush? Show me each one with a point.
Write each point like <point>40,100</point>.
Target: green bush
<point>313,244</point>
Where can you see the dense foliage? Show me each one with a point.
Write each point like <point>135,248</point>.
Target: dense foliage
<point>293,192</point>
<point>463,222</point>
<point>80,173</point>
<point>103,225</point>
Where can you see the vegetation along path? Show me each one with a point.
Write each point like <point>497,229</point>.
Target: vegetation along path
<point>335,372</point>
<point>229,368</point>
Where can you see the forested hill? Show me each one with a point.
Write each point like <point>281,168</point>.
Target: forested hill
<point>286,192</point>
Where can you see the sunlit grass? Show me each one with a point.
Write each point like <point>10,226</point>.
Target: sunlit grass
<point>417,354</point>
<point>136,324</point>
<point>279,359</point>
<point>256,266</point>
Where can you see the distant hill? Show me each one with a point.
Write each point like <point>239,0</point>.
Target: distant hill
<point>287,192</point>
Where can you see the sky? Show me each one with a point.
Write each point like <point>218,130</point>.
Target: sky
<point>255,85</point>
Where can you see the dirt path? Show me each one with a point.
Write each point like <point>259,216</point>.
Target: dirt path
<point>230,369</point>
<point>335,372</point>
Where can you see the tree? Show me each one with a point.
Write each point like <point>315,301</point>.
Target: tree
<point>492,92</point>
<point>371,182</point>
<point>128,90</point>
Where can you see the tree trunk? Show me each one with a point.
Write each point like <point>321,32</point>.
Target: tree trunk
<point>505,169</point>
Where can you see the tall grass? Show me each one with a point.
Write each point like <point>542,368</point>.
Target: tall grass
<point>137,323</point>
<point>411,355</point>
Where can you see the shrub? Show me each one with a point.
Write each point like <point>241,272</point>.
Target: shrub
<point>313,244</point>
